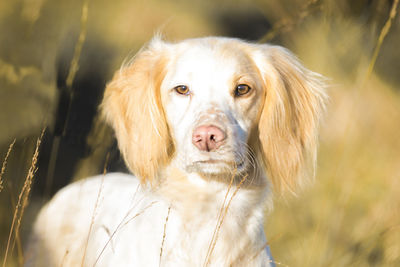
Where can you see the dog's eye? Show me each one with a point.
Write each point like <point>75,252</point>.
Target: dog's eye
<point>242,89</point>
<point>182,89</point>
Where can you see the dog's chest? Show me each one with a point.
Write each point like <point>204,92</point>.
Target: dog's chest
<point>164,234</point>
<point>218,231</point>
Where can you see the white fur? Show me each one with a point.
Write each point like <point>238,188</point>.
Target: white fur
<point>129,222</point>
<point>199,208</point>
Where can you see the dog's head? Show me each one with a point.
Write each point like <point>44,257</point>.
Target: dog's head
<point>216,106</point>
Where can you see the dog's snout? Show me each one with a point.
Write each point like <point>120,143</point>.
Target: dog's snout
<point>208,137</point>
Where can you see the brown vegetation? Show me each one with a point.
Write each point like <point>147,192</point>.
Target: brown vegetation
<point>349,217</point>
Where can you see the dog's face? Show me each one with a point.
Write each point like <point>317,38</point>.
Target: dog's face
<point>212,97</point>
<point>216,106</point>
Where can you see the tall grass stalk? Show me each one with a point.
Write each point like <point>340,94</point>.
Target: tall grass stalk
<point>23,198</point>
<point>120,225</point>
<point>285,24</point>
<point>164,234</point>
<point>218,219</point>
<point>73,69</point>
<point>382,35</point>
<point>95,208</point>
<point>221,218</point>
<point>345,147</point>
<point>3,167</point>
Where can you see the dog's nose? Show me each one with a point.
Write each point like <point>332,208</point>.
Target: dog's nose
<point>208,138</point>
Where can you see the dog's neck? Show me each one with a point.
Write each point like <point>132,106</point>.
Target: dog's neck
<point>234,210</point>
<point>194,195</point>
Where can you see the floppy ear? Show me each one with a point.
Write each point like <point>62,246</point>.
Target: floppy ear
<point>132,106</point>
<point>288,126</point>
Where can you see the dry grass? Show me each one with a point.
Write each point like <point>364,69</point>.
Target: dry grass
<point>78,47</point>
<point>72,71</point>
<point>164,234</point>
<point>350,217</point>
<point>95,209</point>
<point>22,203</point>
<point>287,24</point>
<point>123,222</point>
<point>221,216</point>
<point>4,165</point>
<point>382,35</point>
<point>217,226</point>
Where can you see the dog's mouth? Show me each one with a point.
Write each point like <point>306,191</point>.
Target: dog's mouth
<point>215,166</point>
<point>217,161</point>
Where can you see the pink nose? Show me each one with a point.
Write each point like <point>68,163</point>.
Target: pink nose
<point>208,138</point>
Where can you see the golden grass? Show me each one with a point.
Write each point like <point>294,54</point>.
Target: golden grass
<point>73,69</point>
<point>23,201</point>
<point>221,216</point>
<point>210,247</point>
<point>123,222</point>
<point>164,234</point>
<point>78,47</point>
<point>4,165</point>
<point>287,24</point>
<point>350,217</point>
<point>95,208</point>
<point>382,35</point>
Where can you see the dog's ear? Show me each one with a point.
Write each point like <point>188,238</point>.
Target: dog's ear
<point>288,126</point>
<point>132,106</point>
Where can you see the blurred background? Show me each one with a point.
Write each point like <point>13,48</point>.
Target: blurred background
<point>57,55</point>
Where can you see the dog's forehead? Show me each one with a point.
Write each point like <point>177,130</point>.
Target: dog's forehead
<point>209,60</point>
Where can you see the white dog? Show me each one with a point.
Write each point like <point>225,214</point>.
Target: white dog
<point>208,126</point>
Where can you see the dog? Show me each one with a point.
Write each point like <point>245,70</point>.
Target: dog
<point>210,127</point>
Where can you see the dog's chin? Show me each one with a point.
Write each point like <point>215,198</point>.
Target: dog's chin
<point>217,167</point>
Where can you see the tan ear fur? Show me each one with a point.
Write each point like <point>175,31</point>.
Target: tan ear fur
<point>288,127</point>
<point>132,106</point>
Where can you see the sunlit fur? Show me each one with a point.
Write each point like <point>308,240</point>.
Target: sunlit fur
<point>132,106</point>
<point>287,128</point>
<point>192,207</point>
